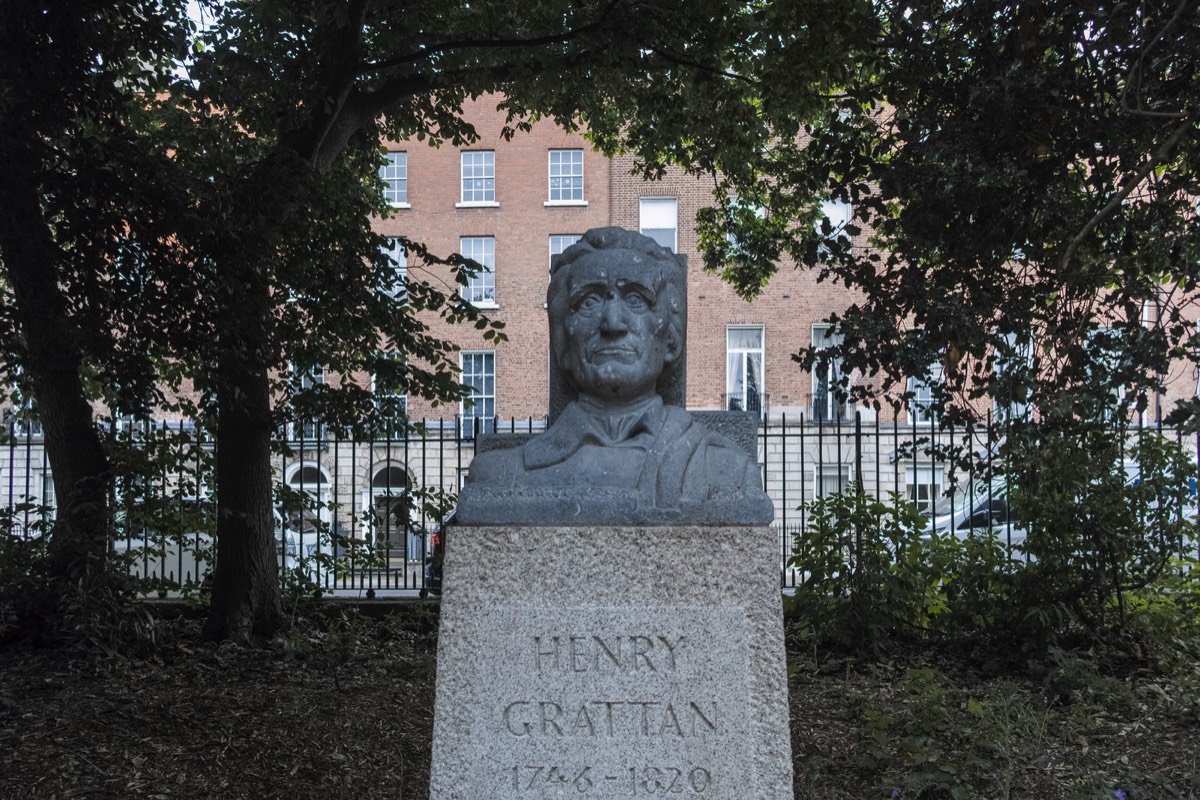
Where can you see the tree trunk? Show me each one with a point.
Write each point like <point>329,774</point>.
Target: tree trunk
<point>52,365</point>
<point>245,594</point>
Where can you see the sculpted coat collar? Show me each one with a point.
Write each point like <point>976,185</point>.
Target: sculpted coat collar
<point>584,423</point>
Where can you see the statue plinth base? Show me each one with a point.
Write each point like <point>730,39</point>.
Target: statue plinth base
<point>611,662</point>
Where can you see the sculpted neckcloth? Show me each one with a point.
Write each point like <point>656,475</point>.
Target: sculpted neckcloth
<point>665,434</point>
<point>583,423</point>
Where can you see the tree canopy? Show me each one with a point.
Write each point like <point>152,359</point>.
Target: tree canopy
<point>83,201</point>
<point>1026,173</point>
<point>247,240</point>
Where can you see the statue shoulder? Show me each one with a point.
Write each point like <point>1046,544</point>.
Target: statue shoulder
<point>727,462</point>
<point>496,467</point>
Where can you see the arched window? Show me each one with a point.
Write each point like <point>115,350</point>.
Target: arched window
<point>308,478</point>
<point>313,480</point>
<point>392,510</point>
<point>389,479</point>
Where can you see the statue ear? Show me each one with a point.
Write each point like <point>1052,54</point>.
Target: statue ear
<point>673,342</point>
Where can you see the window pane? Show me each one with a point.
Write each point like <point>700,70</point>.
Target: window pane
<point>482,249</point>
<point>664,237</point>
<point>658,212</point>
<point>479,372</point>
<point>922,405</point>
<point>744,363</point>
<point>924,487</point>
<point>392,282</point>
<point>837,212</point>
<point>394,174</point>
<point>305,379</point>
<point>832,479</point>
<point>386,383</point>
<point>659,220</point>
<point>566,175</point>
<point>826,406</point>
<point>478,176</point>
<point>745,338</point>
<point>560,242</point>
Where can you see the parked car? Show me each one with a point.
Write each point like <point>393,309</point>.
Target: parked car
<point>983,506</point>
<point>167,541</point>
<point>974,510</point>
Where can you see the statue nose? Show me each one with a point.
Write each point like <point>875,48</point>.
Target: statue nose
<point>612,320</point>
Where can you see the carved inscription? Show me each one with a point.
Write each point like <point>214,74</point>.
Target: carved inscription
<point>576,655</point>
<point>631,781</point>
<point>611,655</point>
<point>613,703</point>
<point>608,718</point>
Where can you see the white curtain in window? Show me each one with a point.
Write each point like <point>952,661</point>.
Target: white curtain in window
<point>744,348</point>
<point>659,219</point>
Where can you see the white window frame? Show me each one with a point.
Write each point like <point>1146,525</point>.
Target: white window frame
<point>394,174</point>
<point>398,256</point>
<point>735,247</point>
<point>25,420</point>
<point>390,510</point>
<point>740,361</point>
<point>478,179</point>
<point>830,478</point>
<point>924,486</point>
<point>840,213</point>
<point>920,411</point>
<point>565,168</point>
<point>1023,357</point>
<point>387,396</point>
<point>485,402</point>
<point>652,212</point>
<point>321,493</point>
<point>825,406</point>
<point>559,242</point>
<point>323,485</point>
<point>308,430</point>
<point>480,290</point>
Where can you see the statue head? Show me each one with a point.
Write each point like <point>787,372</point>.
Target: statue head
<point>617,308</point>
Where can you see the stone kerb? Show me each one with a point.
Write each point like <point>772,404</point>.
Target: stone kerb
<point>611,662</point>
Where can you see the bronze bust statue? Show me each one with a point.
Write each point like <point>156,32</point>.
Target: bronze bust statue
<point>617,453</point>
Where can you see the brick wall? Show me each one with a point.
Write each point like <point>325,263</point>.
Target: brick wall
<point>522,224</point>
<point>787,309</point>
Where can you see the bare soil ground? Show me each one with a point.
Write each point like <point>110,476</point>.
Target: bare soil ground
<point>342,707</point>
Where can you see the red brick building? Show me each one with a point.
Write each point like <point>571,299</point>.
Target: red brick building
<point>511,205</point>
<point>507,205</point>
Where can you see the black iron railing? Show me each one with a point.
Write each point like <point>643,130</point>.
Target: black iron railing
<point>341,500</point>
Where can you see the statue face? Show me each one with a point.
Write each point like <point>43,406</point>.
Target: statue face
<point>616,329</point>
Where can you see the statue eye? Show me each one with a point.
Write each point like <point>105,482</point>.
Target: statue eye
<point>589,302</point>
<point>636,302</point>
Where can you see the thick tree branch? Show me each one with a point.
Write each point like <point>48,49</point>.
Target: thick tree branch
<point>676,58</point>
<point>1139,69</point>
<point>1155,159</point>
<point>490,43</point>
<point>320,146</point>
<point>337,73</point>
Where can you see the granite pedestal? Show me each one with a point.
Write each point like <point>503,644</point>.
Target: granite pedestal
<point>611,662</point>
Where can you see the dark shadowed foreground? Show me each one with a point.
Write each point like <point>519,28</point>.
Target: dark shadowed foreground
<point>342,707</point>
